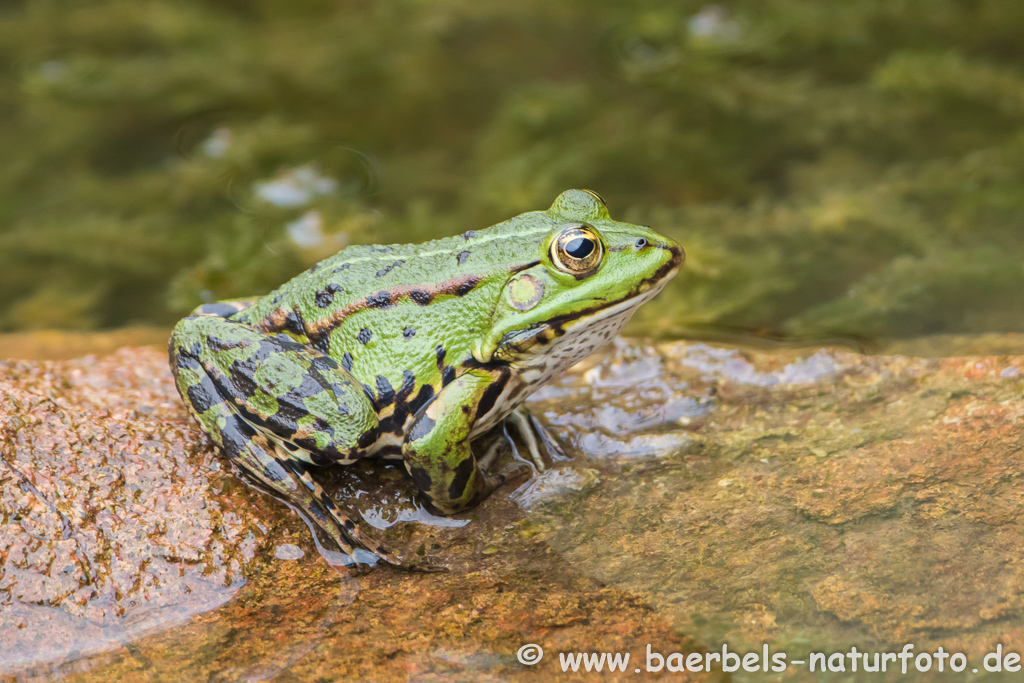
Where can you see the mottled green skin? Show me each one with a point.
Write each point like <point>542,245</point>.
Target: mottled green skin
<point>410,352</point>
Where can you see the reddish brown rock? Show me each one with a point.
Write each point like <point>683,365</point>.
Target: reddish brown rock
<point>831,497</point>
<point>811,500</point>
<point>130,551</point>
<point>115,518</point>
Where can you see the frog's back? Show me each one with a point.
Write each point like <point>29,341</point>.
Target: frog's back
<point>394,312</point>
<point>366,269</point>
<point>362,270</point>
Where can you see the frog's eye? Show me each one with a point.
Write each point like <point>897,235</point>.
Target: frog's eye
<point>577,250</point>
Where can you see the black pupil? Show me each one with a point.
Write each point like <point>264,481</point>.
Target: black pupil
<point>581,247</point>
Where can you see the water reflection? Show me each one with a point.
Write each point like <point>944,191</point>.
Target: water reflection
<point>384,515</point>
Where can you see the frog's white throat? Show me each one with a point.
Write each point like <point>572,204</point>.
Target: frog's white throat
<point>581,338</point>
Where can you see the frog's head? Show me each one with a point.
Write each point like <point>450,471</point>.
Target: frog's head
<point>589,276</point>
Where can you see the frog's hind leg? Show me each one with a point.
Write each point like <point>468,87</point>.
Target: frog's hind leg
<point>326,513</point>
<point>260,457</point>
<point>253,393</point>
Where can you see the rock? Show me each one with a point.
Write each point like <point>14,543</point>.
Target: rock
<point>129,549</point>
<point>117,518</point>
<point>830,497</point>
<point>812,500</point>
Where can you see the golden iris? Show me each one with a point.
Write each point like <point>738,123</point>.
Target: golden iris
<point>577,250</point>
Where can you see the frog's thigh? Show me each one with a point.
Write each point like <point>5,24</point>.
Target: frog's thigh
<point>252,448</point>
<point>288,389</point>
<point>437,453</point>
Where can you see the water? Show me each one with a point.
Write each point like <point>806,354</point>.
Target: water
<point>833,172</point>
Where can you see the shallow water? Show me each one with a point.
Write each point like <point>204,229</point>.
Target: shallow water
<point>832,169</point>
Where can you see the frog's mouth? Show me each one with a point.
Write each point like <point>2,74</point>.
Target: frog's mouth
<point>604,310</point>
<point>540,338</point>
<point>610,317</point>
<point>602,318</point>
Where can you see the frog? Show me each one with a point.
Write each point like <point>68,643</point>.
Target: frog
<point>413,353</point>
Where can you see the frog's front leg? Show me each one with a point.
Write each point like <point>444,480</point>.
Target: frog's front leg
<point>274,405</point>
<point>437,452</point>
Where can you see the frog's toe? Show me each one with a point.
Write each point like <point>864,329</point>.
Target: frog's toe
<point>354,568</point>
<point>551,445</point>
<point>533,434</point>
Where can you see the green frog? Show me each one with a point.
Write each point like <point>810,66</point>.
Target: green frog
<point>413,352</point>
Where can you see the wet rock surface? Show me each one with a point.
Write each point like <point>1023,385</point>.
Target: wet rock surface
<point>115,516</point>
<point>810,499</point>
<point>826,499</point>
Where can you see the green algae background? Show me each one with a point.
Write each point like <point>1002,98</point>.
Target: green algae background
<point>851,168</point>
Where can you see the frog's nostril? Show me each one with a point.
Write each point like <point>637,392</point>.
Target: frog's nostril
<point>640,243</point>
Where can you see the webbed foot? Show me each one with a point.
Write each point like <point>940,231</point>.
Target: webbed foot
<point>533,434</point>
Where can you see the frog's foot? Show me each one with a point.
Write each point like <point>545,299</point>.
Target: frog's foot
<point>274,468</point>
<point>533,433</point>
<point>336,524</point>
<point>511,472</point>
<point>337,519</point>
<point>257,455</point>
<point>496,446</point>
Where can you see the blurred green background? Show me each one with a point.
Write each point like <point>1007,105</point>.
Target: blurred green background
<point>833,168</point>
